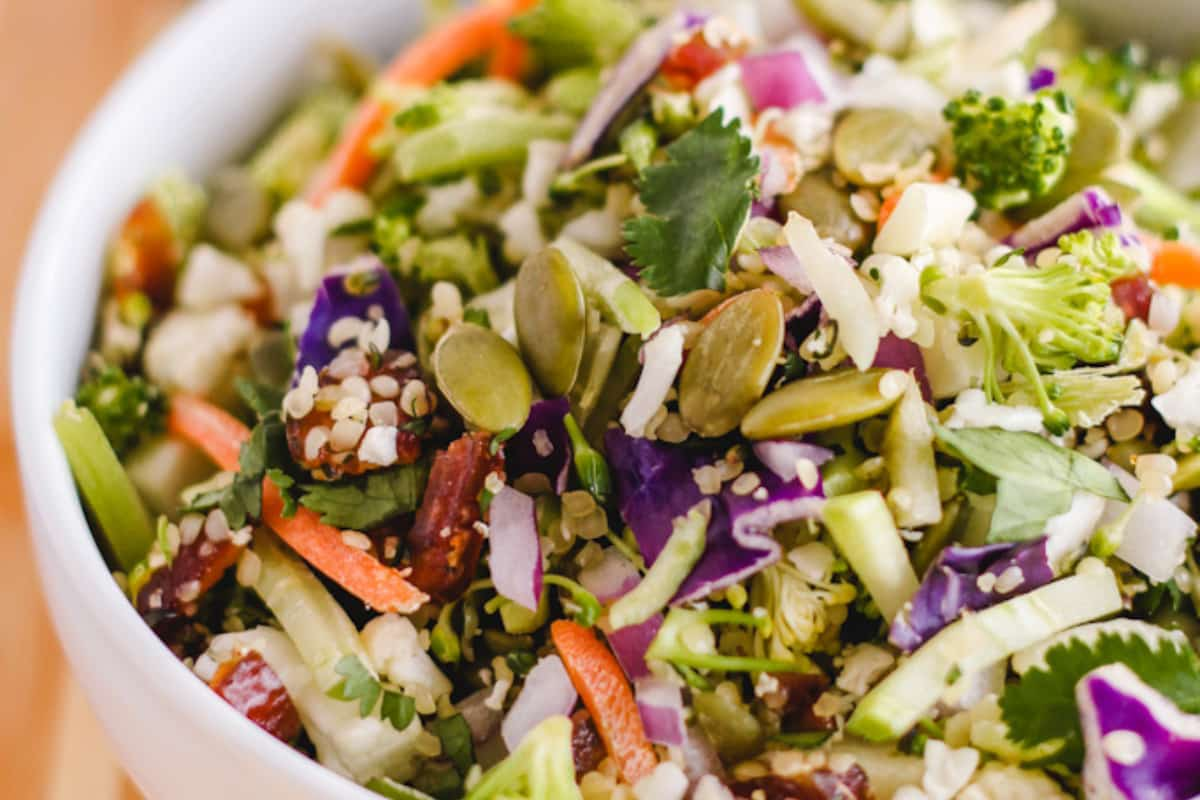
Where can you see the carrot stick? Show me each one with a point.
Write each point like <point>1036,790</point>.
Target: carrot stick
<point>886,208</point>
<point>1178,264</point>
<point>221,437</point>
<point>601,683</point>
<point>433,57</point>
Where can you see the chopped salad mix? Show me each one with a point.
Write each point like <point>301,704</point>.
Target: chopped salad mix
<point>748,400</point>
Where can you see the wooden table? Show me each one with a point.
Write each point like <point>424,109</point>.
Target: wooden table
<point>56,59</point>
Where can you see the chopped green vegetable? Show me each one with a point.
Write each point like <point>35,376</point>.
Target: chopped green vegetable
<point>541,768</point>
<point>1035,478</point>
<point>387,787</point>
<point>1010,153</point>
<point>568,33</point>
<point>460,260</point>
<point>1040,707</point>
<point>686,639</point>
<point>679,555</point>
<point>296,148</point>
<point>455,736</point>
<point>491,138</point>
<point>865,533</point>
<point>616,295</point>
<point>590,466</point>
<point>697,203</point>
<point>126,408</point>
<point>105,486</point>
<point>365,503</point>
<point>1032,319</point>
<point>1158,205</point>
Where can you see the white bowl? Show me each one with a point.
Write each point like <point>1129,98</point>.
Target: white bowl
<point>197,98</point>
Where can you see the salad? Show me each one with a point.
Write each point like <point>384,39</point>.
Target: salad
<point>611,400</point>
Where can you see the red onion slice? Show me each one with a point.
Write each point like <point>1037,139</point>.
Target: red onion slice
<point>1090,208</point>
<point>516,556</point>
<point>611,577</point>
<point>781,79</point>
<point>660,704</point>
<point>784,262</point>
<point>547,693</point>
<point>629,645</point>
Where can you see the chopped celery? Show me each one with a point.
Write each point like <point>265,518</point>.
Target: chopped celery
<point>105,486</point>
<point>908,455</point>
<point>499,136</point>
<point>541,768</point>
<point>459,260</point>
<point>863,529</point>
<point>288,157</point>
<point>685,639</point>
<point>680,554</point>
<point>572,91</point>
<point>1159,206</point>
<point>617,296</point>
<point>979,641</point>
<point>312,618</point>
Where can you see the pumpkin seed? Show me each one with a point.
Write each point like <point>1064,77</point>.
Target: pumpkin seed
<point>551,320</point>
<point>483,378</point>
<point>828,208</point>
<point>728,368</point>
<point>870,145</point>
<point>820,403</point>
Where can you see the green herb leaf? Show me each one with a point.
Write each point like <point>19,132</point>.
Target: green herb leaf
<point>455,736</point>
<point>1035,478</point>
<point>697,202</point>
<point>367,503</point>
<point>398,709</point>
<point>259,397</point>
<point>358,685</point>
<point>284,483</point>
<point>1041,706</point>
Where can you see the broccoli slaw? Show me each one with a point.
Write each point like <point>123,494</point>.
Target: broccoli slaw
<point>738,401</point>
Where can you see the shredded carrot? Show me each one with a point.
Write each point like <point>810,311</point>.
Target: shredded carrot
<point>1178,264</point>
<point>432,58</point>
<point>221,437</point>
<point>598,678</point>
<point>886,208</point>
<point>509,57</point>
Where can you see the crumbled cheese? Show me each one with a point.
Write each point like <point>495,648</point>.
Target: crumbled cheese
<point>899,297</point>
<point>303,230</point>
<point>814,560</point>
<point>385,386</point>
<point>444,205</point>
<point>193,352</point>
<point>927,215</point>
<point>522,229</point>
<point>504,682</point>
<point>379,446</point>
<point>541,167</point>
<point>211,279</point>
<point>663,358</point>
<point>724,90</point>
<point>394,648</point>
<point>1069,532</point>
<point>973,410</point>
<point>947,770</point>
<point>1180,404</point>
<point>666,782</point>
<point>384,413</point>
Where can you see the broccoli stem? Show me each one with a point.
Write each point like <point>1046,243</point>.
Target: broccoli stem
<point>490,139</point>
<point>105,486</point>
<point>676,642</point>
<point>667,573</point>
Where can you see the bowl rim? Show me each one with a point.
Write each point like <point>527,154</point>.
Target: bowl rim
<point>55,517</point>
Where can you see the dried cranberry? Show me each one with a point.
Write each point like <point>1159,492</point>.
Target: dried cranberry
<point>696,59</point>
<point>586,746</point>
<point>250,685</point>
<point>1133,295</point>
<point>145,255</point>
<point>820,784</point>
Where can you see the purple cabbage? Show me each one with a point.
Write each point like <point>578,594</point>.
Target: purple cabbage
<point>365,292</point>
<point>1041,78</point>
<point>780,455</point>
<point>544,431</point>
<point>1139,744</point>
<point>956,584</point>
<point>802,321</point>
<point>636,68</point>
<point>655,484</point>
<point>1088,209</point>
<point>629,645</point>
<point>904,354</point>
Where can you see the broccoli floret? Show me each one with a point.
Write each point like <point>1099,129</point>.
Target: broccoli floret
<point>127,408</point>
<point>1031,320</point>
<point>1106,255</point>
<point>541,768</point>
<point>1011,153</point>
<point>1086,396</point>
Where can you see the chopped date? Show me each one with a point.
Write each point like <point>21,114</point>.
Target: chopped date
<point>174,589</point>
<point>795,698</point>
<point>443,544</point>
<point>250,685</point>
<point>330,464</point>
<point>586,746</point>
<point>820,784</point>
<point>145,255</point>
<point>1133,295</point>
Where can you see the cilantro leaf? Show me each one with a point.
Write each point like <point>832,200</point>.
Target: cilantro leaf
<point>357,685</point>
<point>697,202</point>
<point>1041,706</point>
<point>267,446</point>
<point>1035,478</point>
<point>284,482</point>
<point>367,503</point>
<point>570,33</point>
<point>398,709</point>
<point>259,397</point>
<point>455,736</point>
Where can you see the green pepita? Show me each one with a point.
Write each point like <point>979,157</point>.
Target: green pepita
<point>870,145</point>
<point>822,402</point>
<point>728,369</point>
<point>551,320</point>
<point>483,377</point>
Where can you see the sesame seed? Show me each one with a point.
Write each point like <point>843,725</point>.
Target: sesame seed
<point>249,568</point>
<point>357,540</point>
<point>494,482</point>
<point>414,399</point>
<point>328,397</point>
<point>760,494</point>
<point>298,402</point>
<point>893,383</point>
<point>1124,747</point>
<point>242,536</point>
<point>385,386</point>
<point>445,532</point>
<point>347,363</point>
<point>155,600</point>
<point>314,441</point>
<point>188,591</point>
<point>1010,579</point>
<point>216,527</point>
<point>807,472</point>
<point>986,582</point>
<point>350,408</point>
<point>156,560</point>
<point>746,483</point>
<point>481,528</point>
<point>190,527</point>
<point>345,434</point>
<point>708,479</point>
<point>384,413</point>
<point>404,361</point>
<point>344,330</point>
<point>356,386</point>
<point>391,547</point>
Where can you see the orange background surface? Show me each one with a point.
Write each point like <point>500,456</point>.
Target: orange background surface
<point>57,57</point>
